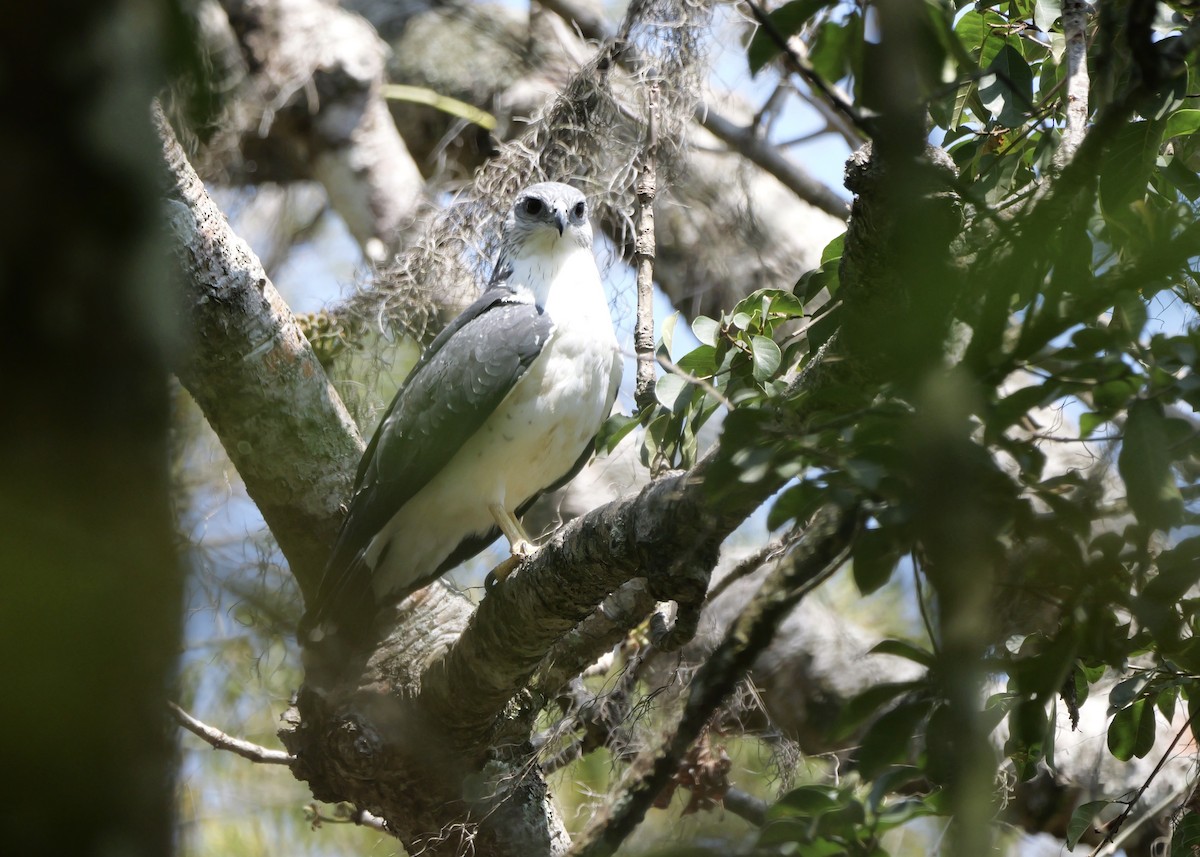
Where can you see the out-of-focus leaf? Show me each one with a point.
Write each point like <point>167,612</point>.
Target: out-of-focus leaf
<point>902,649</point>
<point>1126,166</point>
<point>888,739</point>
<point>874,556</point>
<point>833,47</point>
<point>1081,820</point>
<point>1185,839</point>
<point>798,502</point>
<point>807,801</point>
<point>787,20</point>
<point>1145,465</point>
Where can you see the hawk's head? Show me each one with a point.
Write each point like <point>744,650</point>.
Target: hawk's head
<point>544,214</point>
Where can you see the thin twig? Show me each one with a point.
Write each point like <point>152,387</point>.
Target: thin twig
<point>752,563</point>
<point>643,258</point>
<point>345,813</point>
<point>921,603</point>
<point>1114,827</point>
<point>746,806</point>
<point>221,741</point>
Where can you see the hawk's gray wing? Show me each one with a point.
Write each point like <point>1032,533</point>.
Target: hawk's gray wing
<point>455,386</point>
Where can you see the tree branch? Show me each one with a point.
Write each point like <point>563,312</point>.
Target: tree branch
<point>665,533</point>
<point>588,641</point>
<point>256,378</point>
<point>310,104</point>
<point>803,68</point>
<point>643,258</point>
<point>815,558</point>
<point>798,180</point>
<point>221,741</point>
<point>1074,19</point>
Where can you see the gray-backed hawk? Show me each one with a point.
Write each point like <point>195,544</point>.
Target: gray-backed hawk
<point>502,407</point>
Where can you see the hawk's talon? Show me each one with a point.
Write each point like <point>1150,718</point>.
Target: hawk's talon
<point>522,550</point>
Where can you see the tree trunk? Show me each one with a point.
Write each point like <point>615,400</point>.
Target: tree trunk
<point>91,604</point>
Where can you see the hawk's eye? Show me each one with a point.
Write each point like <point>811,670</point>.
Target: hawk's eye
<point>580,210</point>
<point>533,206</point>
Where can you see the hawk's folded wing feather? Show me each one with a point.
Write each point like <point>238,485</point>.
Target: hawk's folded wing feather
<point>456,385</point>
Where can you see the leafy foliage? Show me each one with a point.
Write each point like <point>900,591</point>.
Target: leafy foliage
<point>1070,328</point>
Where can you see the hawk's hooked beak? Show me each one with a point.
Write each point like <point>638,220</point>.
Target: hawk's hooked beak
<point>560,220</point>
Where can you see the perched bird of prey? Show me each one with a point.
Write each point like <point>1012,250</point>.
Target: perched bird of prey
<point>503,407</point>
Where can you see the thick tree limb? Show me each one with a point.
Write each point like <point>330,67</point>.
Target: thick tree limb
<point>257,380</point>
<point>310,104</point>
<point>658,533</point>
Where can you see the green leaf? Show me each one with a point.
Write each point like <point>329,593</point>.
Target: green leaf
<point>1182,123</point>
<point>1007,87</point>
<point>613,431</point>
<point>787,20</point>
<point>1081,820</point>
<point>830,52</point>
<point>1014,406</point>
<point>1145,465</point>
<point>874,556</point>
<point>672,392</point>
<point>1185,839</point>
<point>668,333</point>
<point>983,34</point>
<point>1089,421</point>
<point>1127,164</point>
<point>807,801</point>
<point>784,831</point>
<point>701,361</point>
<point>889,738</point>
<point>1131,732</point>
<point>1045,13</point>
<point>902,649</point>
<point>706,330</point>
<point>1044,664</point>
<point>798,502</point>
<point>821,847</point>
<point>1126,691</point>
<point>865,704</point>
<point>767,357</point>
